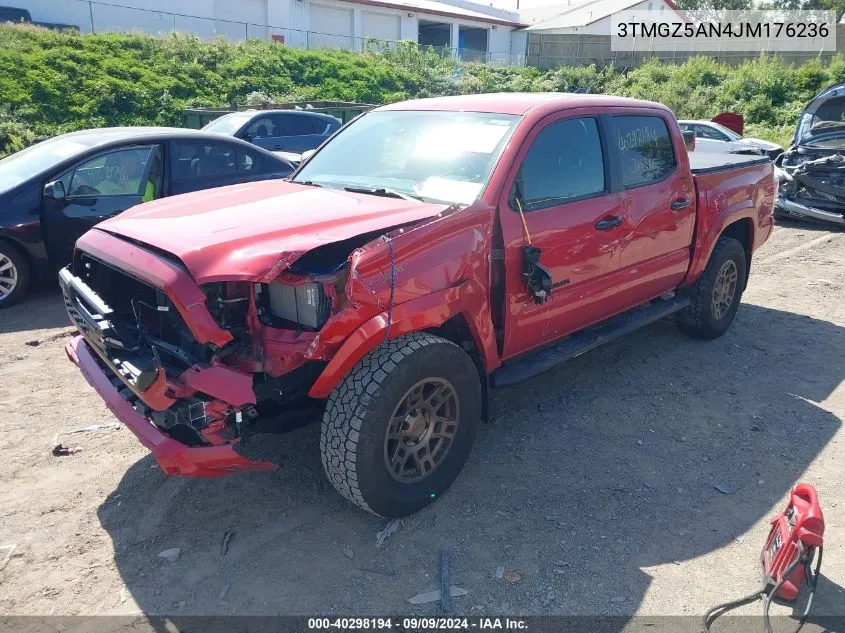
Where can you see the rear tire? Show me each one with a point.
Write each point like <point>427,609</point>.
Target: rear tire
<point>715,297</point>
<point>398,429</point>
<point>14,274</point>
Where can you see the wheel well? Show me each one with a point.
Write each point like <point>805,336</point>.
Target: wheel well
<point>457,331</point>
<point>742,231</point>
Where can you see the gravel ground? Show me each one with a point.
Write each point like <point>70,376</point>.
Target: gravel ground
<point>595,481</point>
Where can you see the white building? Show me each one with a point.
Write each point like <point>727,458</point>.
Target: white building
<point>473,31</point>
<point>591,18</point>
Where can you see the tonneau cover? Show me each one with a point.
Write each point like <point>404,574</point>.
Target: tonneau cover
<point>705,163</point>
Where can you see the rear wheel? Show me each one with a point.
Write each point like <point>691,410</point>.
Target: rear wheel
<point>398,429</point>
<point>715,297</point>
<point>14,274</point>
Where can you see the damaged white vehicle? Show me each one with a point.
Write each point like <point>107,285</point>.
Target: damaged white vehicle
<point>811,172</point>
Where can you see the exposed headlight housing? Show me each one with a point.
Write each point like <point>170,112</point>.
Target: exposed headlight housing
<point>304,305</point>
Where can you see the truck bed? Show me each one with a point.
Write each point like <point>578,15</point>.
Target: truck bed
<point>706,163</point>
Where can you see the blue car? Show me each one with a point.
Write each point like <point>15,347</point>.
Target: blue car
<point>288,132</point>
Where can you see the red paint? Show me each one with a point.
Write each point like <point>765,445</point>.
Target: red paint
<point>794,532</point>
<point>731,120</point>
<point>231,385</point>
<point>256,230</point>
<point>155,271</point>
<point>173,457</point>
<point>744,194</point>
<point>448,263</point>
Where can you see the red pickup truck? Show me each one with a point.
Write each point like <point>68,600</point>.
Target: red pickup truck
<point>430,251</point>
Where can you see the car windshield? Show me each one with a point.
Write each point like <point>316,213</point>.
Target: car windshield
<point>229,123</point>
<point>435,156</point>
<point>40,157</point>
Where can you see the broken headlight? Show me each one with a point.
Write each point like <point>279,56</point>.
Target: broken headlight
<point>303,305</point>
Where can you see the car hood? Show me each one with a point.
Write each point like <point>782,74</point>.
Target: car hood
<point>759,142</point>
<point>823,107</point>
<point>253,231</point>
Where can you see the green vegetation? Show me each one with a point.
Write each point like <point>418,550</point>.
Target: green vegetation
<point>53,82</point>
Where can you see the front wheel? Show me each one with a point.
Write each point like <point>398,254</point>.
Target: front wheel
<point>398,429</point>
<point>715,297</point>
<point>14,275</point>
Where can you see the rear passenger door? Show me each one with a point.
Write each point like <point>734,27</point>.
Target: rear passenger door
<point>659,205</point>
<point>197,165</point>
<point>572,209</point>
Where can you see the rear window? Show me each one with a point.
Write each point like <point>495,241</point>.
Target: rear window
<point>645,149</point>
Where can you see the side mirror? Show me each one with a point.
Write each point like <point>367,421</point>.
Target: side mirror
<point>55,190</point>
<point>306,155</point>
<point>689,140</point>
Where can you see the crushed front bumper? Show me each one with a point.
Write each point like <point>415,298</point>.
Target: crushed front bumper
<point>172,456</point>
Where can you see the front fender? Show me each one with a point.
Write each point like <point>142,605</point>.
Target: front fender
<point>433,310</point>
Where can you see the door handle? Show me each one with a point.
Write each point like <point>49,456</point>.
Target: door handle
<point>608,223</point>
<point>683,203</point>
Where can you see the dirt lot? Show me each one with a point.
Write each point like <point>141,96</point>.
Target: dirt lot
<point>595,481</point>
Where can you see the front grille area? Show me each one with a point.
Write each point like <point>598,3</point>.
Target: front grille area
<point>141,315</point>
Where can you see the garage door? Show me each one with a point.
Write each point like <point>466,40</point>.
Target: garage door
<point>330,27</point>
<point>380,26</point>
<point>240,19</point>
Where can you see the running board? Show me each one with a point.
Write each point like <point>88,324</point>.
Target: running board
<point>535,363</point>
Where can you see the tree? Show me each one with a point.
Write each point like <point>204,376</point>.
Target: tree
<point>837,6</point>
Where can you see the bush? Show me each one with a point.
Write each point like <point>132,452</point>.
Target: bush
<point>53,82</point>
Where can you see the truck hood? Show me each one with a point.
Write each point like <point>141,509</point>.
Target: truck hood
<point>254,231</point>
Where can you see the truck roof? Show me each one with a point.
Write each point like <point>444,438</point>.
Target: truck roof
<point>518,102</point>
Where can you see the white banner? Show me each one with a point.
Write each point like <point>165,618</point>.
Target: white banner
<point>711,30</point>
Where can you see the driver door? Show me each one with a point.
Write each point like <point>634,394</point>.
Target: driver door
<point>96,189</point>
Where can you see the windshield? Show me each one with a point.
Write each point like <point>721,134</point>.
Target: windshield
<point>435,156</point>
<point>30,162</point>
<point>228,124</point>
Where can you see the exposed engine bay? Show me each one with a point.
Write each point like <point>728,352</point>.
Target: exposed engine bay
<point>275,337</point>
<point>812,184</point>
<point>811,172</point>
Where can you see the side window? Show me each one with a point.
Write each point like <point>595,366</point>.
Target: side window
<point>645,149</point>
<point>262,128</point>
<point>201,160</point>
<point>564,162</point>
<point>134,171</point>
<point>705,131</point>
<point>295,125</point>
<point>248,162</point>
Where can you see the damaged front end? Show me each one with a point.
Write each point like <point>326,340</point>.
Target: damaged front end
<point>811,173</point>
<point>201,369</point>
<point>812,184</point>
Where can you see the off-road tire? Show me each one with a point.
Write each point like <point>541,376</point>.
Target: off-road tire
<point>19,261</point>
<point>352,437</point>
<point>698,319</point>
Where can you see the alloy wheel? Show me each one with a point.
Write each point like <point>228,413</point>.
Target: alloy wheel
<point>421,430</point>
<point>724,289</point>
<point>8,276</point>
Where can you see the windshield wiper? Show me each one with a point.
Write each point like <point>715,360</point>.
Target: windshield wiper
<point>310,183</point>
<point>382,191</point>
